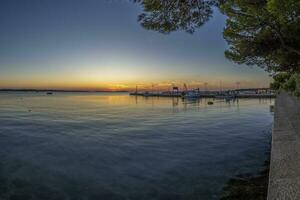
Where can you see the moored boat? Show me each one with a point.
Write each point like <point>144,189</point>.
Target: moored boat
<point>191,95</point>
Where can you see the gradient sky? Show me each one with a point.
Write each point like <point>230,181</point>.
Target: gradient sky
<point>98,44</point>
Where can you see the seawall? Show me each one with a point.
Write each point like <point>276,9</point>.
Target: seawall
<point>284,175</point>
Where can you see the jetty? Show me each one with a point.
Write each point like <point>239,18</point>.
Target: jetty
<point>238,93</point>
<point>284,175</point>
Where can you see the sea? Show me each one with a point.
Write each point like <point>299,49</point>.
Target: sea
<point>113,146</point>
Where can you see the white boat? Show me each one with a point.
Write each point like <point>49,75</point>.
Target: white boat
<point>191,95</point>
<point>147,94</point>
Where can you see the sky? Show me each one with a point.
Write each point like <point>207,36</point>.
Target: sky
<point>99,45</point>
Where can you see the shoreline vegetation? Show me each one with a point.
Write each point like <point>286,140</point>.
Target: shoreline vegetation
<point>289,82</point>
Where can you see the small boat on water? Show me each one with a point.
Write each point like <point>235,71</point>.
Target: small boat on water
<point>193,94</point>
<point>210,103</point>
<point>49,93</point>
<point>147,94</point>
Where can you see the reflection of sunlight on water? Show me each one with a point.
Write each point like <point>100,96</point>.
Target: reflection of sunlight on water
<point>123,99</point>
<point>116,146</point>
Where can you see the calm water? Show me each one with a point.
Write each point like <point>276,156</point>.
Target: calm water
<point>105,146</point>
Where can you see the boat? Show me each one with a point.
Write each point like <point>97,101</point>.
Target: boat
<point>191,95</point>
<point>147,94</point>
<point>49,93</point>
<point>210,103</point>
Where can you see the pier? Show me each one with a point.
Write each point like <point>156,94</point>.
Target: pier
<point>239,93</point>
<point>284,176</point>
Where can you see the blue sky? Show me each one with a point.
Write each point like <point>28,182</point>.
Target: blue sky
<point>96,44</point>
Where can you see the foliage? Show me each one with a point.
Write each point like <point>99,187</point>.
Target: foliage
<point>263,33</point>
<point>169,15</point>
<point>293,84</point>
<point>282,77</point>
<point>275,85</point>
<point>259,32</point>
<point>279,80</point>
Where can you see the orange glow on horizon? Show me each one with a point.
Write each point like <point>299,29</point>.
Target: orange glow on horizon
<point>131,86</point>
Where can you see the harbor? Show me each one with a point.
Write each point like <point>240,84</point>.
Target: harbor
<point>197,93</point>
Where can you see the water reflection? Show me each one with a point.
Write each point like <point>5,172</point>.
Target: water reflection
<point>116,146</point>
<point>176,101</point>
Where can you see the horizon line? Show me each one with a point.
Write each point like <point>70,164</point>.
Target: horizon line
<point>54,90</point>
<point>76,90</point>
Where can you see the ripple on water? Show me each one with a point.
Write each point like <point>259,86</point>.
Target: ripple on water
<point>114,146</point>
